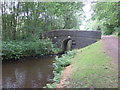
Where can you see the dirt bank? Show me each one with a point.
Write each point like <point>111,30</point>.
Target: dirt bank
<point>67,72</point>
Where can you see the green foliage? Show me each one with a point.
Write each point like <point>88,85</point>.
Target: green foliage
<point>117,32</point>
<point>63,61</point>
<point>22,25</point>
<point>106,17</point>
<point>12,50</point>
<point>50,86</point>
<point>59,65</point>
<point>25,20</point>
<point>17,49</point>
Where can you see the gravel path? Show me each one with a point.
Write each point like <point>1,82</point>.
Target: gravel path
<point>110,45</point>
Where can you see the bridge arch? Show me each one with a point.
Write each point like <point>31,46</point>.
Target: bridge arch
<point>66,45</point>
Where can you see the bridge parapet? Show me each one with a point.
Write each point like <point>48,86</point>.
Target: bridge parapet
<point>81,38</point>
<point>73,33</point>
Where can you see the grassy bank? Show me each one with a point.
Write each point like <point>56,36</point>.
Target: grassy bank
<point>92,68</point>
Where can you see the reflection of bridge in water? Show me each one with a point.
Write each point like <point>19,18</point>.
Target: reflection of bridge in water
<point>72,39</point>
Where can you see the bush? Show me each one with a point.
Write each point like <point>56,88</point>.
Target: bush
<point>12,50</point>
<point>17,49</point>
<point>117,31</point>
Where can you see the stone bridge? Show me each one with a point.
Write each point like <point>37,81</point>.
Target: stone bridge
<point>72,39</point>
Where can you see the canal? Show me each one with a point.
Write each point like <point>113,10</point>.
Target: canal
<point>27,73</point>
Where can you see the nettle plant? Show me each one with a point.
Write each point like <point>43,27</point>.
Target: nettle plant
<point>18,49</point>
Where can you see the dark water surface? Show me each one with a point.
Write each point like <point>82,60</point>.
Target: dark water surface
<point>30,73</point>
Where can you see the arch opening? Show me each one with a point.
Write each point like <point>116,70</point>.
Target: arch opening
<point>66,45</point>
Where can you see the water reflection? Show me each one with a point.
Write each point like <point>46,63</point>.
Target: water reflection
<point>31,73</point>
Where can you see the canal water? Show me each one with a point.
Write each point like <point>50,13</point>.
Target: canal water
<point>27,73</point>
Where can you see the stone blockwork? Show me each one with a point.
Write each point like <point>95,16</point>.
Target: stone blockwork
<point>79,38</point>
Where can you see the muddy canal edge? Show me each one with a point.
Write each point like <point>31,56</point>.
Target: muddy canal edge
<point>65,76</point>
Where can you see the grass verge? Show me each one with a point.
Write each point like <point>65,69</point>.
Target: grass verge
<point>92,69</point>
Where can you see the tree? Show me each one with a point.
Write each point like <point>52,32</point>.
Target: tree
<point>106,14</point>
<point>25,20</point>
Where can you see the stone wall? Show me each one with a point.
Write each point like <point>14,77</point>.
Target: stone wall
<point>80,38</point>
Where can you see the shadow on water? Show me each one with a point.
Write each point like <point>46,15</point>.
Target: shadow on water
<point>30,73</point>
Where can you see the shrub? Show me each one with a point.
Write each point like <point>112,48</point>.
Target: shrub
<point>17,49</point>
<point>11,50</point>
<point>117,31</point>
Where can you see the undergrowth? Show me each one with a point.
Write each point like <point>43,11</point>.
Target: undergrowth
<point>18,49</point>
<point>59,64</point>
